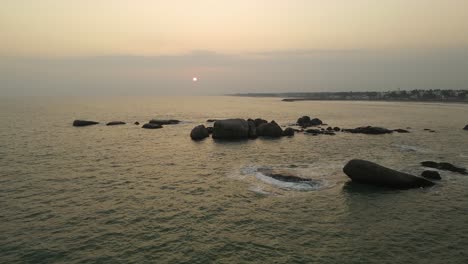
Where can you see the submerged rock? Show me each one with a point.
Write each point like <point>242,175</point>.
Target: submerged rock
<point>444,166</point>
<point>80,123</point>
<point>337,129</point>
<point>199,132</point>
<point>136,123</point>
<point>210,130</point>
<point>164,122</point>
<point>271,129</point>
<point>115,123</point>
<point>211,120</point>
<point>231,129</point>
<point>399,130</point>
<point>367,172</point>
<point>284,176</point>
<point>371,130</point>
<point>151,126</point>
<point>433,175</point>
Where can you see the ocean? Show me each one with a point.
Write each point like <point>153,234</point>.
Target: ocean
<point>124,194</point>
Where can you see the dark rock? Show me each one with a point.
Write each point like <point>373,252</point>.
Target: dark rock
<point>199,132</point>
<point>330,133</point>
<point>151,126</point>
<point>303,121</point>
<point>433,175</point>
<point>164,122</point>
<point>329,128</point>
<point>337,129</point>
<point>444,166</point>
<point>288,132</point>
<point>367,172</point>
<point>369,130</point>
<point>285,177</point>
<point>210,130</point>
<point>231,129</point>
<point>271,129</point>
<point>136,123</point>
<point>211,120</point>
<point>115,123</point>
<point>399,130</point>
<point>80,123</point>
<point>466,127</point>
<point>306,121</point>
<point>315,122</point>
<point>259,121</point>
<point>252,129</point>
<point>313,131</point>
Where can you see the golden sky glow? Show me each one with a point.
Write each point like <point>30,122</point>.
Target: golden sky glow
<point>150,27</point>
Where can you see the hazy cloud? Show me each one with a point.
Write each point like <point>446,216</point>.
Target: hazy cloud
<point>275,71</point>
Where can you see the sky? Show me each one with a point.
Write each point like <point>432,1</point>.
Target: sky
<point>150,47</point>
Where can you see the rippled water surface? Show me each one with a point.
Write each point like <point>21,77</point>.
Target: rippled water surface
<point>124,194</point>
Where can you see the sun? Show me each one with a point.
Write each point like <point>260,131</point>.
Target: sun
<point>194,79</point>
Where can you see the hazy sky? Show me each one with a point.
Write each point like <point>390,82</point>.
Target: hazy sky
<point>155,47</point>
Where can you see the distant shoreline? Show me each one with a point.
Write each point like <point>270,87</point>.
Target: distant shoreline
<point>421,96</point>
<point>374,100</point>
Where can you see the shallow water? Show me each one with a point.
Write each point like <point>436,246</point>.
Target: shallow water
<point>128,195</point>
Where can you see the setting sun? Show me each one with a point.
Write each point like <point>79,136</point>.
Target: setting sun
<point>194,79</point>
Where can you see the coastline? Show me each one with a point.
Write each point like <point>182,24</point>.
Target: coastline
<point>375,100</point>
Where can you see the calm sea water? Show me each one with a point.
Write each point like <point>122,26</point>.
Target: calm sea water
<point>128,195</point>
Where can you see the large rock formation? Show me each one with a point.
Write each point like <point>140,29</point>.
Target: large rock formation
<point>271,129</point>
<point>115,123</point>
<point>80,123</point>
<point>466,127</point>
<point>164,122</point>
<point>367,172</point>
<point>231,129</point>
<point>199,132</point>
<point>444,166</point>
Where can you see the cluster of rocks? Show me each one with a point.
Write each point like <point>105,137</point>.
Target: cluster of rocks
<point>306,121</point>
<point>253,128</point>
<point>240,129</point>
<point>367,172</point>
<point>152,124</point>
<point>444,166</point>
